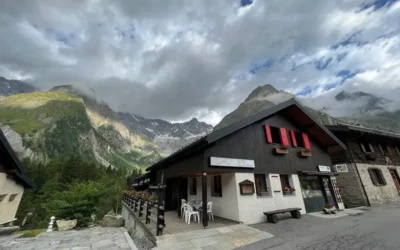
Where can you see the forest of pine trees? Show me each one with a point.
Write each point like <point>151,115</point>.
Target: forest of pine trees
<point>71,188</point>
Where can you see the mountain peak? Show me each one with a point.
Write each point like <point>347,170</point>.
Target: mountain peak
<point>11,87</point>
<point>262,92</point>
<point>259,99</point>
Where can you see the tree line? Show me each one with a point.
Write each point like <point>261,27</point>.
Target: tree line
<point>72,188</point>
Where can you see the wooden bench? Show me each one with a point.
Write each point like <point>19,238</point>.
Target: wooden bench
<point>273,218</point>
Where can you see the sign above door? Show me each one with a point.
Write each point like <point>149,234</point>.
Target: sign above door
<point>324,168</point>
<point>231,162</point>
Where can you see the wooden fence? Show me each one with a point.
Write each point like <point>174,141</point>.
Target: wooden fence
<point>152,212</point>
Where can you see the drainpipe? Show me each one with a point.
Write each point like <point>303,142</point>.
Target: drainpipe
<point>358,173</point>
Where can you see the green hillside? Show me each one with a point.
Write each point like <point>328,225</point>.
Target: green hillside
<point>55,123</point>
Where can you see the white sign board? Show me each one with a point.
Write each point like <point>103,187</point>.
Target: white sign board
<point>341,168</point>
<point>231,162</point>
<point>324,168</point>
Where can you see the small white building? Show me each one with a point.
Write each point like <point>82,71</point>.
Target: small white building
<point>13,181</point>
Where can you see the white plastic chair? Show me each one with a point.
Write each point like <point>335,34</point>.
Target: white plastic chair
<point>189,212</point>
<point>183,211</point>
<point>209,210</point>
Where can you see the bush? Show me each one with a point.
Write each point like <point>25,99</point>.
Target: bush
<point>70,188</point>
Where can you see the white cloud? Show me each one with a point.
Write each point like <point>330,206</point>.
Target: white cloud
<point>178,59</point>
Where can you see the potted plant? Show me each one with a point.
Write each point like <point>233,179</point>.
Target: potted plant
<point>288,190</point>
<point>306,152</point>
<point>281,150</point>
<point>329,209</point>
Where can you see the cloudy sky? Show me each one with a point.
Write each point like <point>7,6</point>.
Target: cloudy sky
<point>179,59</point>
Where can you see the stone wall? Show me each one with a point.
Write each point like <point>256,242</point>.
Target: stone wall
<point>378,194</point>
<point>351,188</point>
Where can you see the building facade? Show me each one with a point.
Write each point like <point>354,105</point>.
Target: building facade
<point>273,160</point>
<point>13,181</point>
<point>372,164</point>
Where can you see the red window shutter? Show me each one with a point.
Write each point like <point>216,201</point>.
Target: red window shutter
<point>306,141</point>
<point>268,133</point>
<point>293,137</point>
<point>284,137</point>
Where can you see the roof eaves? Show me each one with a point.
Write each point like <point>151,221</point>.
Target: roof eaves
<point>21,174</point>
<point>177,154</point>
<point>326,130</point>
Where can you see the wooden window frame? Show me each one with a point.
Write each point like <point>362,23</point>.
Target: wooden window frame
<point>363,147</point>
<point>193,186</point>
<point>377,177</point>
<point>261,178</point>
<point>282,184</point>
<point>12,197</point>
<point>298,136</point>
<point>214,192</point>
<point>276,135</point>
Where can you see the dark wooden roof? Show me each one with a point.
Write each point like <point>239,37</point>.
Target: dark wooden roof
<point>290,109</point>
<point>13,163</point>
<point>352,128</point>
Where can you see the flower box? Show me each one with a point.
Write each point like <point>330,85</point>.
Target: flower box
<point>305,153</point>
<point>280,151</point>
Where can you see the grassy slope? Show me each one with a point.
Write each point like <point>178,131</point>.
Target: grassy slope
<point>59,120</point>
<point>25,113</point>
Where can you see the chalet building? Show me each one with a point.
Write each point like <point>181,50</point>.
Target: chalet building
<point>275,159</point>
<point>370,173</point>
<point>13,180</point>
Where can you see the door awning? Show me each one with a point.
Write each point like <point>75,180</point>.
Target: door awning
<point>318,173</point>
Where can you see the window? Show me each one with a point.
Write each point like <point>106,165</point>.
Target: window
<point>384,149</point>
<point>366,147</point>
<point>193,187</point>
<point>12,197</point>
<point>397,150</point>
<point>216,187</point>
<point>276,135</point>
<point>299,139</point>
<point>261,184</point>
<point>284,181</point>
<point>377,176</point>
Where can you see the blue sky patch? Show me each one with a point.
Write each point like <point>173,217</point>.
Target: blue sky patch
<point>346,74</point>
<point>305,91</point>
<point>261,65</point>
<point>323,63</point>
<point>245,2</point>
<point>353,39</point>
<point>378,4</point>
<point>331,86</point>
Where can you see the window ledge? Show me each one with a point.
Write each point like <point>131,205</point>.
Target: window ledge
<point>264,196</point>
<point>292,194</point>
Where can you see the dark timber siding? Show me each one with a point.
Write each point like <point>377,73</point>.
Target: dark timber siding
<point>190,165</point>
<point>352,139</point>
<point>250,143</point>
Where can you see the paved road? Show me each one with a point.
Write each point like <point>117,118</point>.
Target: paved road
<point>92,238</point>
<point>378,228</point>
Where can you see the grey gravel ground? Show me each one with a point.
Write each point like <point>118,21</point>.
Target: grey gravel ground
<point>376,229</point>
<point>144,243</point>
